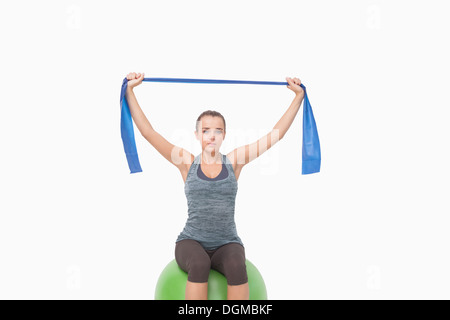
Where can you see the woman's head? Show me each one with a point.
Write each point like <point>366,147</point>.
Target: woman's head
<point>210,130</point>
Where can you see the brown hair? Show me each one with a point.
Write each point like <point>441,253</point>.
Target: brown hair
<point>213,114</point>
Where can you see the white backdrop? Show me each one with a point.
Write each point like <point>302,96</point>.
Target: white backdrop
<point>373,224</point>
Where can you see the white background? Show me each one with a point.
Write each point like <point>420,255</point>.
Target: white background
<point>373,224</point>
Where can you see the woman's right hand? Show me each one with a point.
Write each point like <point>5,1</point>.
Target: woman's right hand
<point>134,79</point>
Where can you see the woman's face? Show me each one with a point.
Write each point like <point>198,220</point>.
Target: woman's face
<point>210,132</point>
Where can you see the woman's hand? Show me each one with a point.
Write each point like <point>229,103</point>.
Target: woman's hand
<point>294,85</point>
<point>134,79</point>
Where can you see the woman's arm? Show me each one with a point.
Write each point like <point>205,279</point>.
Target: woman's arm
<point>247,153</point>
<point>288,117</point>
<point>137,114</point>
<point>164,147</point>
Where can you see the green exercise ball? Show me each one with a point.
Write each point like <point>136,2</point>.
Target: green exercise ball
<point>171,284</point>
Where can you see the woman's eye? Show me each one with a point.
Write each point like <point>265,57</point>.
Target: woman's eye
<point>217,131</point>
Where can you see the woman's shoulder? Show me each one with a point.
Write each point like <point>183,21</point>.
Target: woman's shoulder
<point>230,158</point>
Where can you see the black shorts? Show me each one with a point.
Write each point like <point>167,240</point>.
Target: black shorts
<point>228,259</point>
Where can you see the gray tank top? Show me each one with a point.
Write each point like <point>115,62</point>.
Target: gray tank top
<point>211,204</point>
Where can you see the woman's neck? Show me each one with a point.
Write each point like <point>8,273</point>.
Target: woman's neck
<point>211,158</point>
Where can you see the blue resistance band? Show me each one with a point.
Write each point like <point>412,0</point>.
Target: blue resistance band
<point>311,156</point>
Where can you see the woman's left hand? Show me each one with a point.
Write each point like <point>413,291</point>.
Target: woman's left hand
<point>294,85</point>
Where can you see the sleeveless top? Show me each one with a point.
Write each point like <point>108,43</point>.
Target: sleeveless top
<point>211,203</point>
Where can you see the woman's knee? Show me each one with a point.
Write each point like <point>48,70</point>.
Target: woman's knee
<point>199,263</point>
<point>234,265</point>
<point>198,269</point>
<point>235,270</point>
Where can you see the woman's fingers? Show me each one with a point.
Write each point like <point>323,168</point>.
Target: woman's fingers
<point>294,80</point>
<point>134,75</point>
<point>289,82</point>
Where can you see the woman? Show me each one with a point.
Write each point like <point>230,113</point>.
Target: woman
<point>209,238</point>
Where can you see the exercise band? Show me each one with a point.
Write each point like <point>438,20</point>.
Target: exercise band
<point>311,156</point>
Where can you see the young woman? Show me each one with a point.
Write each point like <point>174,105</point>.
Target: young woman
<point>209,238</point>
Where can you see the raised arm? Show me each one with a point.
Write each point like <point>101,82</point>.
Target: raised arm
<point>137,114</point>
<point>175,155</point>
<point>286,120</point>
<point>245,154</point>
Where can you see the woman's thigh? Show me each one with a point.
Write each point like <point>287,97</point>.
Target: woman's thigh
<point>230,261</point>
<point>193,259</point>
